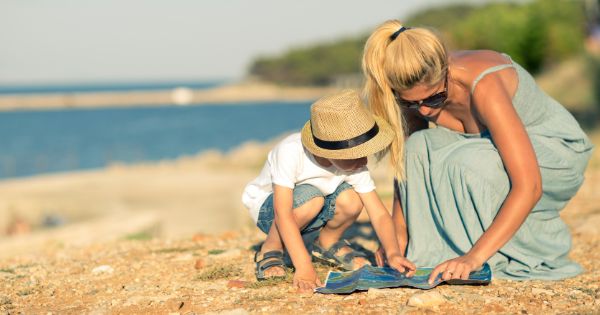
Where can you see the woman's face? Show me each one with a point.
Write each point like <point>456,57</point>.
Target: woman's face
<point>423,92</point>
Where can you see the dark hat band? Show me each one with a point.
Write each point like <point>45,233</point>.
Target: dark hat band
<point>396,33</point>
<point>346,144</point>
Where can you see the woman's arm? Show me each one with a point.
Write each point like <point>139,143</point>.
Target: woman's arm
<point>495,110</point>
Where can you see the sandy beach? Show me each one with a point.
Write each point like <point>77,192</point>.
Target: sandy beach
<point>108,241</point>
<point>246,91</point>
<point>172,237</point>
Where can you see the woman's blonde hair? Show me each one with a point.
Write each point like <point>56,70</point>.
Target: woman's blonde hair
<point>415,56</point>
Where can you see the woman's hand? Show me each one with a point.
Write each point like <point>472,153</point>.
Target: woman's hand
<point>306,280</point>
<point>456,268</point>
<point>396,261</point>
<point>401,264</point>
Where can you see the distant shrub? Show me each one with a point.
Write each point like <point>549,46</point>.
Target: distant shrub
<point>534,34</point>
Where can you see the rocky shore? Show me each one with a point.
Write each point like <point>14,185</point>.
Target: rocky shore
<point>125,271</point>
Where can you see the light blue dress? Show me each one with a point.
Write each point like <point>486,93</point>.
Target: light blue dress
<point>456,182</point>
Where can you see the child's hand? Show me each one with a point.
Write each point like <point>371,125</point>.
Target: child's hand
<point>401,264</point>
<point>306,280</point>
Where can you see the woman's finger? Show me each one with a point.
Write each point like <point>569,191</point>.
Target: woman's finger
<point>465,273</point>
<point>436,271</point>
<point>458,272</point>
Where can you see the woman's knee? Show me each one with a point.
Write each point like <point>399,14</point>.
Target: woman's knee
<point>348,203</point>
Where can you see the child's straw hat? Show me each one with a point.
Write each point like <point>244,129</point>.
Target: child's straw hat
<point>341,127</point>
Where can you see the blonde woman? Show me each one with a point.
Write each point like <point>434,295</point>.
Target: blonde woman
<point>488,182</point>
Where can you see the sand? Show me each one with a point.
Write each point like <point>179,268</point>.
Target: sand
<point>246,91</point>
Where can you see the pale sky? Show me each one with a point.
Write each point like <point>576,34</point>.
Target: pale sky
<point>68,41</point>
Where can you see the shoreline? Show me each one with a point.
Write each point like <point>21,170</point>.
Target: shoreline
<point>238,92</point>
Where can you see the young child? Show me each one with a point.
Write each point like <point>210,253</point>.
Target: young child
<point>317,179</point>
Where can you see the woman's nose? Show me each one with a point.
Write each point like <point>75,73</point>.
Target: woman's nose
<point>424,110</point>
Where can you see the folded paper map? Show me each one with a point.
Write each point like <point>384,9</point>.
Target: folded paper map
<point>385,277</point>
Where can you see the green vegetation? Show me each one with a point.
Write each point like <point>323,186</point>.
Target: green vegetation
<point>536,34</point>
<point>220,272</point>
<point>216,251</point>
<point>318,65</point>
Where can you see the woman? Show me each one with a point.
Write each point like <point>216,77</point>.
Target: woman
<point>488,183</point>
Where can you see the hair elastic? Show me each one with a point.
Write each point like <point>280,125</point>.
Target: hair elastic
<point>396,33</point>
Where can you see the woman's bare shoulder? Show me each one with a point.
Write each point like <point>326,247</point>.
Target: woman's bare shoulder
<point>469,64</point>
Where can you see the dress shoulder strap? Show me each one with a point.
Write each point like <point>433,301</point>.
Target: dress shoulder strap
<point>488,71</point>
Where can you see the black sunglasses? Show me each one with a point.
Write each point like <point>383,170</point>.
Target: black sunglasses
<point>433,101</point>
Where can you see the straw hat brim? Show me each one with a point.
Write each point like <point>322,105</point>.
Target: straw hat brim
<point>378,143</point>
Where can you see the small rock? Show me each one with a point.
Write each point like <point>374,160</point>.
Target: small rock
<point>237,284</point>
<point>229,235</point>
<point>103,269</point>
<point>236,311</point>
<point>362,302</point>
<point>427,299</point>
<point>538,291</point>
<point>199,237</point>
<point>199,264</point>
<point>228,254</point>
<point>373,292</point>
<point>5,300</point>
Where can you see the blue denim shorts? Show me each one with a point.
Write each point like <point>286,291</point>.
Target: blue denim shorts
<point>302,194</point>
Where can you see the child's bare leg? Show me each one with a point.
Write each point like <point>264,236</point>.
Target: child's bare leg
<point>347,209</point>
<point>303,215</point>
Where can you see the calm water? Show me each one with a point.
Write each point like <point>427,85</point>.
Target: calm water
<point>34,142</point>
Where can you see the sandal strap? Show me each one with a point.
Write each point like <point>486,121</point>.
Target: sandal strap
<point>269,264</point>
<point>337,246</point>
<point>349,257</point>
<point>277,254</point>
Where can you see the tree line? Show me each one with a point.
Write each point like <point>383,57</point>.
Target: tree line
<point>535,34</point>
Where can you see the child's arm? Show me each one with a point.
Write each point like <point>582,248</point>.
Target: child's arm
<point>399,221</point>
<point>305,277</point>
<point>384,228</point>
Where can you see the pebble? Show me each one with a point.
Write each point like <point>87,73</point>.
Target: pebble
<point>199,264</point>
<point>232,253</point>
<point>237,284</point>
<point>373,292</point>
<point>199,237</point>
<point>427,299</point>
<point>236,311</point>
<point>5,300</point>
<point>538,291</point>
<point>103,269</point>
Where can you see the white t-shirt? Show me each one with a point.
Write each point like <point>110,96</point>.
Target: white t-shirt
<point>289,164</point>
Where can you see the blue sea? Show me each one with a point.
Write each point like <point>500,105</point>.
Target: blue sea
<point>38,142</point>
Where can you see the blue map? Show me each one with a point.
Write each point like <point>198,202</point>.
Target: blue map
<point>386,277</point>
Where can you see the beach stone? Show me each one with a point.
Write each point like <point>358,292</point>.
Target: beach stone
<point>236,311</point>
<point>427,299</point>
<point>103,269</point>
<point>5,300</point>
<point>240,284</point>
<point>232,253</point>
<point>373,292</point>
<point>199,264</point>
<point>538,291</point>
